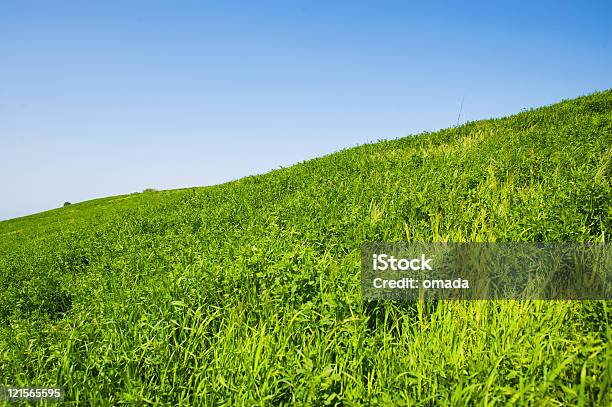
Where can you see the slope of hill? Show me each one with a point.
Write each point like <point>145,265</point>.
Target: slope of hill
<point>248,292</point>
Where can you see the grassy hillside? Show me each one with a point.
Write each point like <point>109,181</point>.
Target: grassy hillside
<point>248,292</point>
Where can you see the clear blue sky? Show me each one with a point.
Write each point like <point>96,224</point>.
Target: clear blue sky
<point>111,97</point>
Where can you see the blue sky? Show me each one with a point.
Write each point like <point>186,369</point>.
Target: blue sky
<point>105,98</point>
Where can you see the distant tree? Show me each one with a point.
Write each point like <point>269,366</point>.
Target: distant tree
<point>66,203</point>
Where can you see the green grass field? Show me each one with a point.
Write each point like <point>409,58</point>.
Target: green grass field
<point>248,293</point>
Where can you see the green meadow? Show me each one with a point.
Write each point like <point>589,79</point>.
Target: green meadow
<point>248,293</point>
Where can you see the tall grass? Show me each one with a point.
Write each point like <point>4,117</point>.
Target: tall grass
<point>248,292</point>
